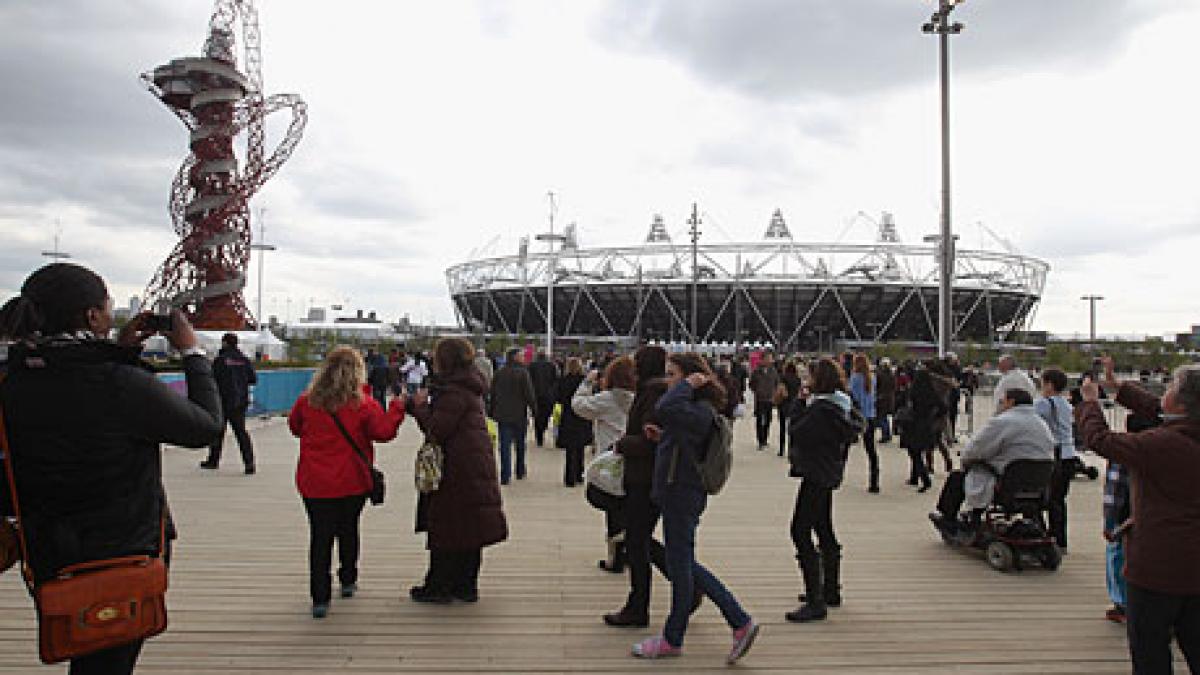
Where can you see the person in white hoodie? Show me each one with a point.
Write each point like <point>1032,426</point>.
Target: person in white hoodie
<point>608,410</point>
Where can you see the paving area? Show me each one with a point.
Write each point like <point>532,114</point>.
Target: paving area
<point>239,603</point>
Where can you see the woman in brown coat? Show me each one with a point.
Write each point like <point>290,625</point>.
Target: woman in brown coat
<point>465,513</point>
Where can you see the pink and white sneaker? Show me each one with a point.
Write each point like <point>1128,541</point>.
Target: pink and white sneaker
<point>655,647</point>
<point>743,638</point>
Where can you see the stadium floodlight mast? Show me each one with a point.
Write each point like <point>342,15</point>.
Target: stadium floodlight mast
<point>1092,300</point>
<point>550,238</point>
<point>939,23</point>
<point>694,231</point>
<point>262,247</point>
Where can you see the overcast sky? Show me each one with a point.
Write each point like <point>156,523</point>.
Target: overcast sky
<point>436,129</point>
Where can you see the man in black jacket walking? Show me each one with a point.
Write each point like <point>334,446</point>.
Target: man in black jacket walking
<point>544,374</point>
<point>234,374</point>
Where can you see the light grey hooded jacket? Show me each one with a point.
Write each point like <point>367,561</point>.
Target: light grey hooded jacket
<point>1017,433</point>
<point>608,411</point>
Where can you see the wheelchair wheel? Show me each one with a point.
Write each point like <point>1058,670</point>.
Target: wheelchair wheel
<point>1000,556</point>
<point>1050,557</point>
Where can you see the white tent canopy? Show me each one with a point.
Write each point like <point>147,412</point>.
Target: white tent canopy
<point>251,343</point>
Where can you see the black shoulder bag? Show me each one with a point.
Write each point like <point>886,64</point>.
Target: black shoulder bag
<point>378,487</point>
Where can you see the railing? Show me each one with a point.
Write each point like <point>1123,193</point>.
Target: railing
<point>275,392</point>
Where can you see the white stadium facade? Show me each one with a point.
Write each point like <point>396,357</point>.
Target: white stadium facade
<point>778,291</point>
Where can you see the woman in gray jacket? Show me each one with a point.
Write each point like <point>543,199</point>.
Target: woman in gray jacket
<point>608,411</point>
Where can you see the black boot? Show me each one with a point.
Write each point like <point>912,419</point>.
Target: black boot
<point>831,572</point>
<point>814,608</point>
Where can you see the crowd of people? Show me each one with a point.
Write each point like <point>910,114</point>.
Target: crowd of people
<point>93,490</point>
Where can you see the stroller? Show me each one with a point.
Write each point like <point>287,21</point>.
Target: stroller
<point>1011,530</point>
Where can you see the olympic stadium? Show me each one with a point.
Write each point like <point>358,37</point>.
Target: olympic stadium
<point>778,291</point>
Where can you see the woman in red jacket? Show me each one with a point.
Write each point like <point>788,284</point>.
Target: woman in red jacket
<point>332,476</point>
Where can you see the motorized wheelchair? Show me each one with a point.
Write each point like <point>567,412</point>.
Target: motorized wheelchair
<point>1011,530</point>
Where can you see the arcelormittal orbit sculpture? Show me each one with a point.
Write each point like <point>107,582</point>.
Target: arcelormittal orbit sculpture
<point>206,272</point>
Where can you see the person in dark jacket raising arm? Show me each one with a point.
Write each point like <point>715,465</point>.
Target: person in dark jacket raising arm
<point>234,374</point>
<point>89,480</point>
<point>1162,546</point>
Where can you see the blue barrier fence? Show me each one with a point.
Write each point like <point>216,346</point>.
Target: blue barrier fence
<point>275,392</point>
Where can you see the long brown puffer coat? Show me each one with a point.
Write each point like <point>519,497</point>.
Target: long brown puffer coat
<point>465,512</point>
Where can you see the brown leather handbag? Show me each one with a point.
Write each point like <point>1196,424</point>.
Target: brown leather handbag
<point>93,605</point>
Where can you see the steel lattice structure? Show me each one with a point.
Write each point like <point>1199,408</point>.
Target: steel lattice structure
<point>206,272</point>
<point>777,291</point>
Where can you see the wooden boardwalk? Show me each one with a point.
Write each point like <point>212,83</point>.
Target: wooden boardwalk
<point>239,601</point>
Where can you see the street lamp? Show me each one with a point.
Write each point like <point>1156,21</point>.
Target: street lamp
<point>552,268</point>
<point>945,278</point>
<point>1092,300</point>
<point>694,231</point>
<point>56,255</point>
<point>940,24</point>
<point>262,247</point>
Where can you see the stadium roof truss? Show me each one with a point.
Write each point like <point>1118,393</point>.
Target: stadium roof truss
<point>780,292</point>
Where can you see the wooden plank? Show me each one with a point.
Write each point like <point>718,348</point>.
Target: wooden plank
<point>239,601</point>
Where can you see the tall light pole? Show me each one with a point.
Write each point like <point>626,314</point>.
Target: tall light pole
<point>694,231</point>
<point>940,24</point>
<point>1092,300</point>
<point>552,268</point>
<point>262,247</point>
<point>56,255</point>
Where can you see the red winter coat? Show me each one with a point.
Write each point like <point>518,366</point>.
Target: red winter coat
<point>329,467</point>
<point>465,513</point>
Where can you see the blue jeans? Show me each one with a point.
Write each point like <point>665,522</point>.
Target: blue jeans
<point>1114,558</point>
<point>681,509</point>
<point>510,434</point>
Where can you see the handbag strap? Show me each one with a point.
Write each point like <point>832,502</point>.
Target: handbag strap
<point>349,439</point>
<point>10,474</point>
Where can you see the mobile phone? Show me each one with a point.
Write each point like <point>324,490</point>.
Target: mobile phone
<point>159,323</point>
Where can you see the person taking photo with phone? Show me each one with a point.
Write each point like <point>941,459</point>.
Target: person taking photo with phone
<point>86,419</point>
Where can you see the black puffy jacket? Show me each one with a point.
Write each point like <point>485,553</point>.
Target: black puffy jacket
<point>85,420</point>
<point>819,438</point>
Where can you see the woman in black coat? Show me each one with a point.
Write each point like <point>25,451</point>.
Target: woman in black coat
<point>641,514</point>
<point>574,432</point>
<point>85,420</point>
<point>821,437</point>
<point>464,515</point>
<point>920,432</point>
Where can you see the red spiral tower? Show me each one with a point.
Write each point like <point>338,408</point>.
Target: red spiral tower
<point>206,272</point>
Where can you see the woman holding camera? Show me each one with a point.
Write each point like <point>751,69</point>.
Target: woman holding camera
<point>85,419</point>
<point>336,421</point>
<point>464,515</point>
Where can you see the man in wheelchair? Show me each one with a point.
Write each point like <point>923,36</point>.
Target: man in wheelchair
<point>1016,434</point>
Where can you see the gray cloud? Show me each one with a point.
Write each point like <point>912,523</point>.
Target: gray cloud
<point>809,50</point>
<point>1065,243</point>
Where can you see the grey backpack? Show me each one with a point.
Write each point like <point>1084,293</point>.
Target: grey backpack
<point>717,463</point>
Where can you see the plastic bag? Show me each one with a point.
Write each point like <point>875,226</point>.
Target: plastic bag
<point>607,473</point>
